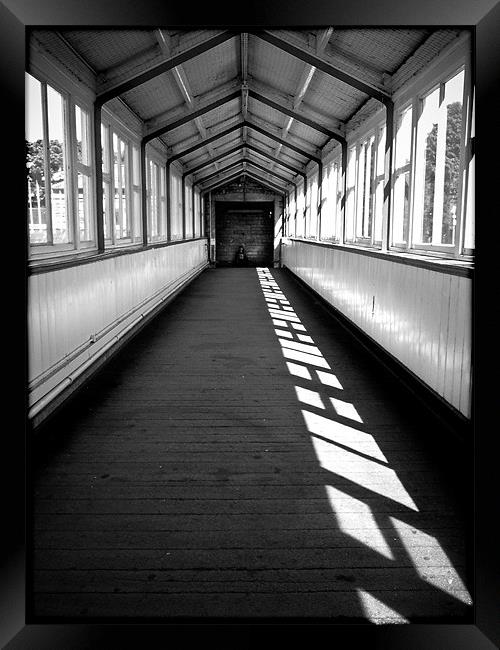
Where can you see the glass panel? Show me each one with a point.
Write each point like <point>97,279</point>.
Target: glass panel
<point>116,188</point>
<point>426,153</point>
<point>350,195</point>
<point>402,156</point>
<point>105,148</point>
<point>469,237</point>
<point>453,103</point>
<point>136,166</point>
<point>328,212</point>
<point>57,165</point>
<point>313,210</point>
<point>137,215</point>
<point>84,208</point>
<point>37,208</point>
<point>82,135</point>
<point>106,214</point>
<point>125,221</point>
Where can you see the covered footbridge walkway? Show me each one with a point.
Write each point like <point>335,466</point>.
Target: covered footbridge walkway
<point>285,434</point>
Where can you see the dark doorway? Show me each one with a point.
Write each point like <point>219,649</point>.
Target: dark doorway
<point>248,224</point>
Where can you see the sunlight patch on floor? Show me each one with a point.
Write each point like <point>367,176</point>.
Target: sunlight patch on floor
<point>451,583</point>
<point>355,459</point>
<point>377,611</point>
<point>356,520</point>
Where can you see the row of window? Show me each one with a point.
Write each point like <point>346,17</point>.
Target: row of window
<point>432,181</point>
<point>61,180</point>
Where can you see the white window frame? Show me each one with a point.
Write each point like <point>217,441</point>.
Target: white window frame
<point>455,59</point>
<point>135,224</point>
<point>71,169</point>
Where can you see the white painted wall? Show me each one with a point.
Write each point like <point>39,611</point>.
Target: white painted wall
<point>76,313</point>
<point>422,317</point>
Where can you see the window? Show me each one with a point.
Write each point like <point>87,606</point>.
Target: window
<point>331,212</point>
<point>153,201</point>
<point>365,183</point>
<point>197,214</point>
<point>299,224</point>
<point>437,166</point>
<point>312,211</point>
<point>84,175</point>
<point>157,201</point>
<point>350,194</point>
<point>60,172</point>
<point>121,187</point>
<point>401,178</point>
<point>188,211</point>
<point>365,201</point>
<point>292,212</point>
<point>176,205</point>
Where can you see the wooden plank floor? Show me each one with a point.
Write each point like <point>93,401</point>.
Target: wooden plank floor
<point>205,473</point>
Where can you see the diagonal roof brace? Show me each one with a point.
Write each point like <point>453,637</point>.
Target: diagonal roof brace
<point>238,148</point>
<point>243,172</point>
<point>335,135</point>
<point>154,133</point>
<point>248,161</point>
<point>164,66</point>
<point>323,65</point>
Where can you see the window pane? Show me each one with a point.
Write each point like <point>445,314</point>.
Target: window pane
<point>57,165</point>
<point>300,212</point>
<point>84,207</point>
<point>125,221</point>
<point>402,157</point>
<point>426,169</point>
<point>136,165</point>
<point>105,148</point>
<point>37,210</point>
<point>313,210</point>
<point>378,196</point>
<point>82,135</point>
<point>469,203</point>
<point>350,195</point>
<point>105,209</point>
<point>137,215</point>
<point>329,211</point>
<point>117,188</point>
<point>453,104</point>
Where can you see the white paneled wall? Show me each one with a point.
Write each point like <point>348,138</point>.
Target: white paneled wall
<point>421,316</point>
<point>76,314</point>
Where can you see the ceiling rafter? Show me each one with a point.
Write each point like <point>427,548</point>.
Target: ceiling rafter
<point>237,148</point>
<point>188,117</point>
<point>155,70</point>
<point>239,125</point>
<point>243,172</point>
<point>322,39</point>
<point>323,65</point>
<point>250,162</point>
<point>182,83</point>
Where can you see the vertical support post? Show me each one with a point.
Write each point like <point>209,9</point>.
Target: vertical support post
<point>389,143</point>
<point>304,211</point>
<point>296,211</point>
<point>183,192</point>
<point>193,210</point>
<point>168,197</point>
<point>319,200</point>
<point>343,200</point>
<point>144,196</point>
<point>202,217</point>
<point>98,177</point>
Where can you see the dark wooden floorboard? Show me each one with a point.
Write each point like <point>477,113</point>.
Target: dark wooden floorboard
<point>184,482</point>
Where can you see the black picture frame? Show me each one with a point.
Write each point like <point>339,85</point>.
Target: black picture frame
<point>484,17</point>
